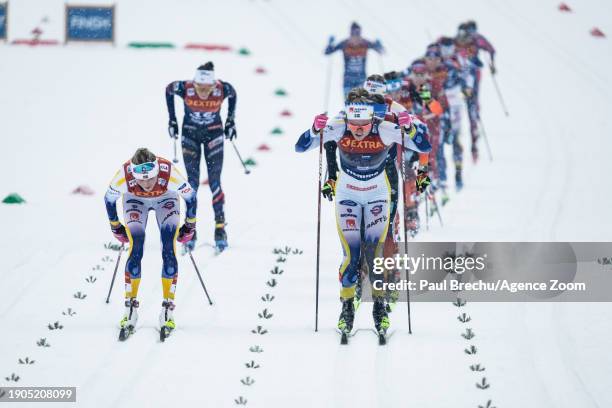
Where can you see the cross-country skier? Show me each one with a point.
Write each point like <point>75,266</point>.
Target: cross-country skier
<point>203,97</point>
<point>468,45</point>
<point>451,120</point>
<point>362,190</point>
<point>355,50</point>
<point>147,183</point>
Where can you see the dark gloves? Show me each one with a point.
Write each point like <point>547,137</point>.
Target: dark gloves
<point>230,129</point>
<point>173,129</point>
<point>422,179</point>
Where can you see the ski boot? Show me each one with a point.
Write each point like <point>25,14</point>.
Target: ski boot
<point>130,317</point>
<point>220,235</point>
<point>458,176</point>
<point>412,221</point>
<point>345,321</point>
<point>391,300</point>
<point>443,194</point>
<point>166,319</point>
<point>381,319</point>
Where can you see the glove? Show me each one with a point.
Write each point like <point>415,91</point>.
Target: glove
<point>378,46</point>
<point>173,129</point>
<point>230,129</point>
<point>425,94</point>
<point>331,40</point>
<point>120,233</point>
<point>493,69</point>
<point>329,189</point>
<point>319,122</point>
<point>468,92</point>
<point>404,119</point>
<point>422,179</point>
<point>186,232</point>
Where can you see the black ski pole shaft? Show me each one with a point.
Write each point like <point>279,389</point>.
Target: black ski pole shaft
<point>403,168</point>
<point>318,230</point>
<point>499,94</point>
<point>328,83</point>
<point>200,277</point>
<point>175,159</point>
<point>486,139</point>
<point>246,169</point>
<point>114,273</point>
<point>426,210</point>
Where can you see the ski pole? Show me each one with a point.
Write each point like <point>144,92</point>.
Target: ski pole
<point>200,276</point>
<point>499,94</point>
<point>175,159</point>
<point>318,230</point>
<point>403,168</point>
<point>327,84</point>
<point>246,170</point>
<point>114,273</point>
<point>426,211</point>
<point>486,140</point>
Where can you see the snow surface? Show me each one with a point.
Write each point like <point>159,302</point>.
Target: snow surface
<point>73,114</point>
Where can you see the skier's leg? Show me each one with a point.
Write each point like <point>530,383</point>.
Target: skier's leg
<point>135,213</point>
<point>213,154</point>
<point>474,114</point>
<point>167,212</point>
<point>192,153</point>
<point>348,222</point>
<point>376,218</point>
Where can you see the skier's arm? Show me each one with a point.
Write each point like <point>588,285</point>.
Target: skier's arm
<point>230,93</point>
<point>330,156</point>
<point>415,138</point>
<point>376,46</point>
<point>173,88</point>
<point>331,48</point>
<point>310,139</point>
<point>179,183</point>
<point>116,188</point>
<point>483,44</point>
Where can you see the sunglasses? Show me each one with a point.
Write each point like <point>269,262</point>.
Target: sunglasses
<point>364,125</point>
<point>143,168</point>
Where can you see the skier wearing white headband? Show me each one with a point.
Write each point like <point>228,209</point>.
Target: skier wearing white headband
<point>362,190</point>
<point>202,126</point>
<point>147,183</point>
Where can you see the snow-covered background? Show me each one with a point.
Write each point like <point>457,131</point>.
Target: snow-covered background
<point>72,114</point>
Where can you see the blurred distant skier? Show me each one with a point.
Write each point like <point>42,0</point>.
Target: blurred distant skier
<point>146,183</point>
<point>355,50</point>
<point>202,125</point>
<point>468,44</point>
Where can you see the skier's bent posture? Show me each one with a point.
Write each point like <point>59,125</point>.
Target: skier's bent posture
<point>202,125</point>
<point>147,183</point>
<point>362,190</point>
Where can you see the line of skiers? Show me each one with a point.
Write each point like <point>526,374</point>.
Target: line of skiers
<point>423,103</point>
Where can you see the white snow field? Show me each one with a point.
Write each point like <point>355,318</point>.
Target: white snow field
<point>73,114</point>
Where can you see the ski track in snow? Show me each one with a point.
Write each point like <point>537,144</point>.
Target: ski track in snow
<point>547,182</point>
